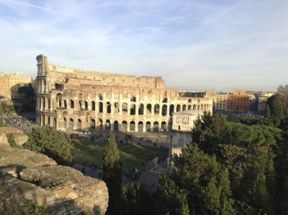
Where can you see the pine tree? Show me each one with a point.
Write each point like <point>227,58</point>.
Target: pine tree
<point>268,112</point>
<point>112,174</point>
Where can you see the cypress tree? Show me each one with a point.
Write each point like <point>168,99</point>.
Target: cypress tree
<point>112,174</point>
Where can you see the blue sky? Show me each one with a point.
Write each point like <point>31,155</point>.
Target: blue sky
<point>194,44</point>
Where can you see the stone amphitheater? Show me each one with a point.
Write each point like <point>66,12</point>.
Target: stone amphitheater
<point>72,99</point>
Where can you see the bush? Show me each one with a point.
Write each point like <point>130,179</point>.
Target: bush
<point>51,142</point>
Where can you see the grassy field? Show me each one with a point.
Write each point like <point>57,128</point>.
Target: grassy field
<point>131,155</point>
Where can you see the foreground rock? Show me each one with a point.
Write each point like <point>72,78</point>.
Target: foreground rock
<point>20,137</point>
<point>59,189</point>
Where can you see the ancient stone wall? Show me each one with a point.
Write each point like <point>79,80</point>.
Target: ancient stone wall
<point>72,99</point>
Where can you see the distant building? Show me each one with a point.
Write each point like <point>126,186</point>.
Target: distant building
<point>182,125</point>
<point>220,101</point>
<point>9,84</point>
<point>238,101</point>
<point>262,101</point>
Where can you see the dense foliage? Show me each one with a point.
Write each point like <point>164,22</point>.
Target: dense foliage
<point>112,174</point>
<point>51,142</point>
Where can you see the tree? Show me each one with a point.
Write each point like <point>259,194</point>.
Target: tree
<point>276,107</point>
<point>204,180</point>
<point>112,174</point>
<point>51,142</point>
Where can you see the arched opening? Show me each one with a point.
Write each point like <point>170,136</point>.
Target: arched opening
<point>141,109</point>
<point>86,105</point>
<point>156,109</point>
<point>183,107</point>
<point>171,109</point>
<point>100,107</point>
<point>80,105</point>
<point>100,123</point>
<point>59,100</point>
<point>132,109</point>
<point>149,108</point>
<point>178,108</point>
<point>164,110</point>
<point>65,123</point>
<point>65,104</point>
<point>194,107</point>
<point>100,97</point>
<point>71,104</point>
<point>115,126</point>
<point>92,123</point>
<point>165,100</point>
<point>132,126</point>
<point>155,126</point>
<point>79,124</point>
<point>49,120</point>
<point>189,107</point>
<point>140,126</point>
<point>124,107</point>
<point>55,123</point>
<point>108,107</point>
<point>133,99</point>
<point>163,126</point>
<point>198,107</point>
<point>93,105</point>
<point>201,106</point>
<point>124,126</point>
<point>107,125</point>
<point>116,107</point>
<point>189,100</point>
<point>71,124</point>
<point>148,126</point>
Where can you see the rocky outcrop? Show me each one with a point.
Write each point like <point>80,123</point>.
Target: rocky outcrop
<point>20,137</point>
<point>59,189</point>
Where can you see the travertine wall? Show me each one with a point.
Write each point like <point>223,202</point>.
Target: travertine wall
<point>9,84</point>
<point>72,99</point>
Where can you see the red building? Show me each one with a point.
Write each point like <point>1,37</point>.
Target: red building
<point>238,101</point>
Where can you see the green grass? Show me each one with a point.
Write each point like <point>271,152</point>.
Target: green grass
<point>131,155</point>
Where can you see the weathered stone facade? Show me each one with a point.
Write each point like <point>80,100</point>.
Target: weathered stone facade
<point>72,99</point>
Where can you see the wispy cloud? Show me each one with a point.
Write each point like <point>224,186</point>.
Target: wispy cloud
<point>193,44</point>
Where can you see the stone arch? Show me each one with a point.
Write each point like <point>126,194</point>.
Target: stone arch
<point>59,100</point>
<point>92,123</point>
<point>65,125</point>
<point>100,107</point>
<point>124,107</point>
<point>80,105</point>
<point>124,126</point>
<point>133,99</point>
<point>178,108</point>
<point>132,109</point>
<point>156,109</point>
<point>155,126</point>
<point>194,107</point>
<point>189,100</point>
<point>201,107</point>
<point>79,124</point>
<point>140,126</point>
<point>100,97</point>
<point>86,105</point>
<point>164,126</point>
<point>65,104</point>
<point>149,108</point>
<point>107,125</point>
<point>132,126</point>
<point>116,107</point>
<point>71,104</point>
<point>108,107</point>
<point>171,109</point>
<point>116,126</point>
<point>198,107</point>
<point>165,100</point>
<point>164,110</point>
<point>183,107</point>
<point>148,126</point>
<point>93,105</point>
<point>189,107</point>
<point>100,123</point>
<point>71,123</point>
<point>141,109</point>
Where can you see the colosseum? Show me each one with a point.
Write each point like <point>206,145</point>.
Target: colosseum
<point>72,99</point>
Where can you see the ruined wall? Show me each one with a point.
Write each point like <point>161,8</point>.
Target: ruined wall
<point>72,99</point>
